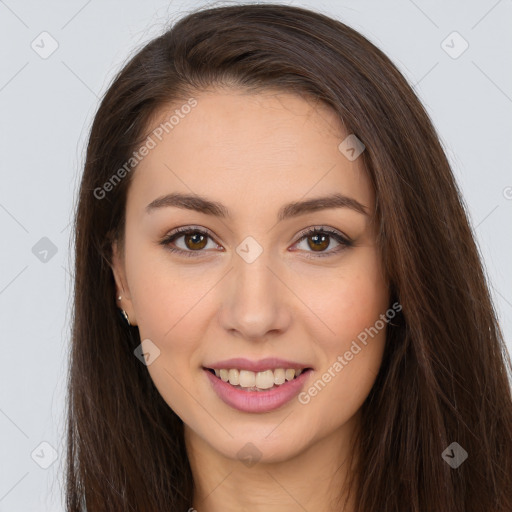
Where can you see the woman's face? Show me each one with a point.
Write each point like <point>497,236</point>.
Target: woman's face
<point>248,282</point>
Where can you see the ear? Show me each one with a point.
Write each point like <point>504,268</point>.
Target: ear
<point>122,290</point>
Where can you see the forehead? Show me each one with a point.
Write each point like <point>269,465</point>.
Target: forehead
<point>248,149</point>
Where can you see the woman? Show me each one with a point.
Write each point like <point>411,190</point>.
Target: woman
<point>305,322</point>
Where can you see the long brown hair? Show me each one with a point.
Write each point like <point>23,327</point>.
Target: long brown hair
<point>445,375</point>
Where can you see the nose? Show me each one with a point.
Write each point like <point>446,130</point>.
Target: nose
<point>256,302</point>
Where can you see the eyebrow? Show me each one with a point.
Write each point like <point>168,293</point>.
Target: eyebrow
<point>203,205</point>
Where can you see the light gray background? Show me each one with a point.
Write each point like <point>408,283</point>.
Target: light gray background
<point>46,111</point>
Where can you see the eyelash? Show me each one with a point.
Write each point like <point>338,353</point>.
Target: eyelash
<point>344,242</point>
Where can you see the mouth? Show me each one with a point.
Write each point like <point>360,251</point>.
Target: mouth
<point>266,380</point>
<point>257,386</point>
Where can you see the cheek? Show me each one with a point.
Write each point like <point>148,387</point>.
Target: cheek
<point>171,314</point>
<point>167,297</point>
<point>348,300</point>
<point>352,352</point>
<point>166,301</point>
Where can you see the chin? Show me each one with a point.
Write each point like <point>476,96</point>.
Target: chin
<point>262,443</point>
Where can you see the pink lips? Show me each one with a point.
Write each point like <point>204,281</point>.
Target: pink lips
<point>257,401</point>
<point>241,363</point>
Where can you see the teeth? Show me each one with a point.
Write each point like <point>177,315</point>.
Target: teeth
<point>289,374</point>
<point>265,380</point>
<point>234,377</point>
<point>279,376</point>
<point>247,379</point>
<point>258,380</point>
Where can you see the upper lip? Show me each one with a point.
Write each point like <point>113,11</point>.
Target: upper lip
<point>269,363</point>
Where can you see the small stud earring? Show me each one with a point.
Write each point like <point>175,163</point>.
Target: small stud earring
<point>119,298</point>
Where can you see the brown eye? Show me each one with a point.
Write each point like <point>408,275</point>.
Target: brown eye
<point>318,242</point>
<point>195,241</point>
<point>189,242</point>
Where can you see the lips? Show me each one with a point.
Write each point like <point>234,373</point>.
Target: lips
<point>257,386</point>
<point>269,363</point>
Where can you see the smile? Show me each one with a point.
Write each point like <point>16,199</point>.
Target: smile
<point>257,381</point>
<point>257,391</point>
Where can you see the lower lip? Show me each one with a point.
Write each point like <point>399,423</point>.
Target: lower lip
<point>258,401</point>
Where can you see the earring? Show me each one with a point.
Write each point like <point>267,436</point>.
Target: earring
<point>124,313</point>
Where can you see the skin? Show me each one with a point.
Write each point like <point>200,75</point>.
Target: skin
<point>254,152</point>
